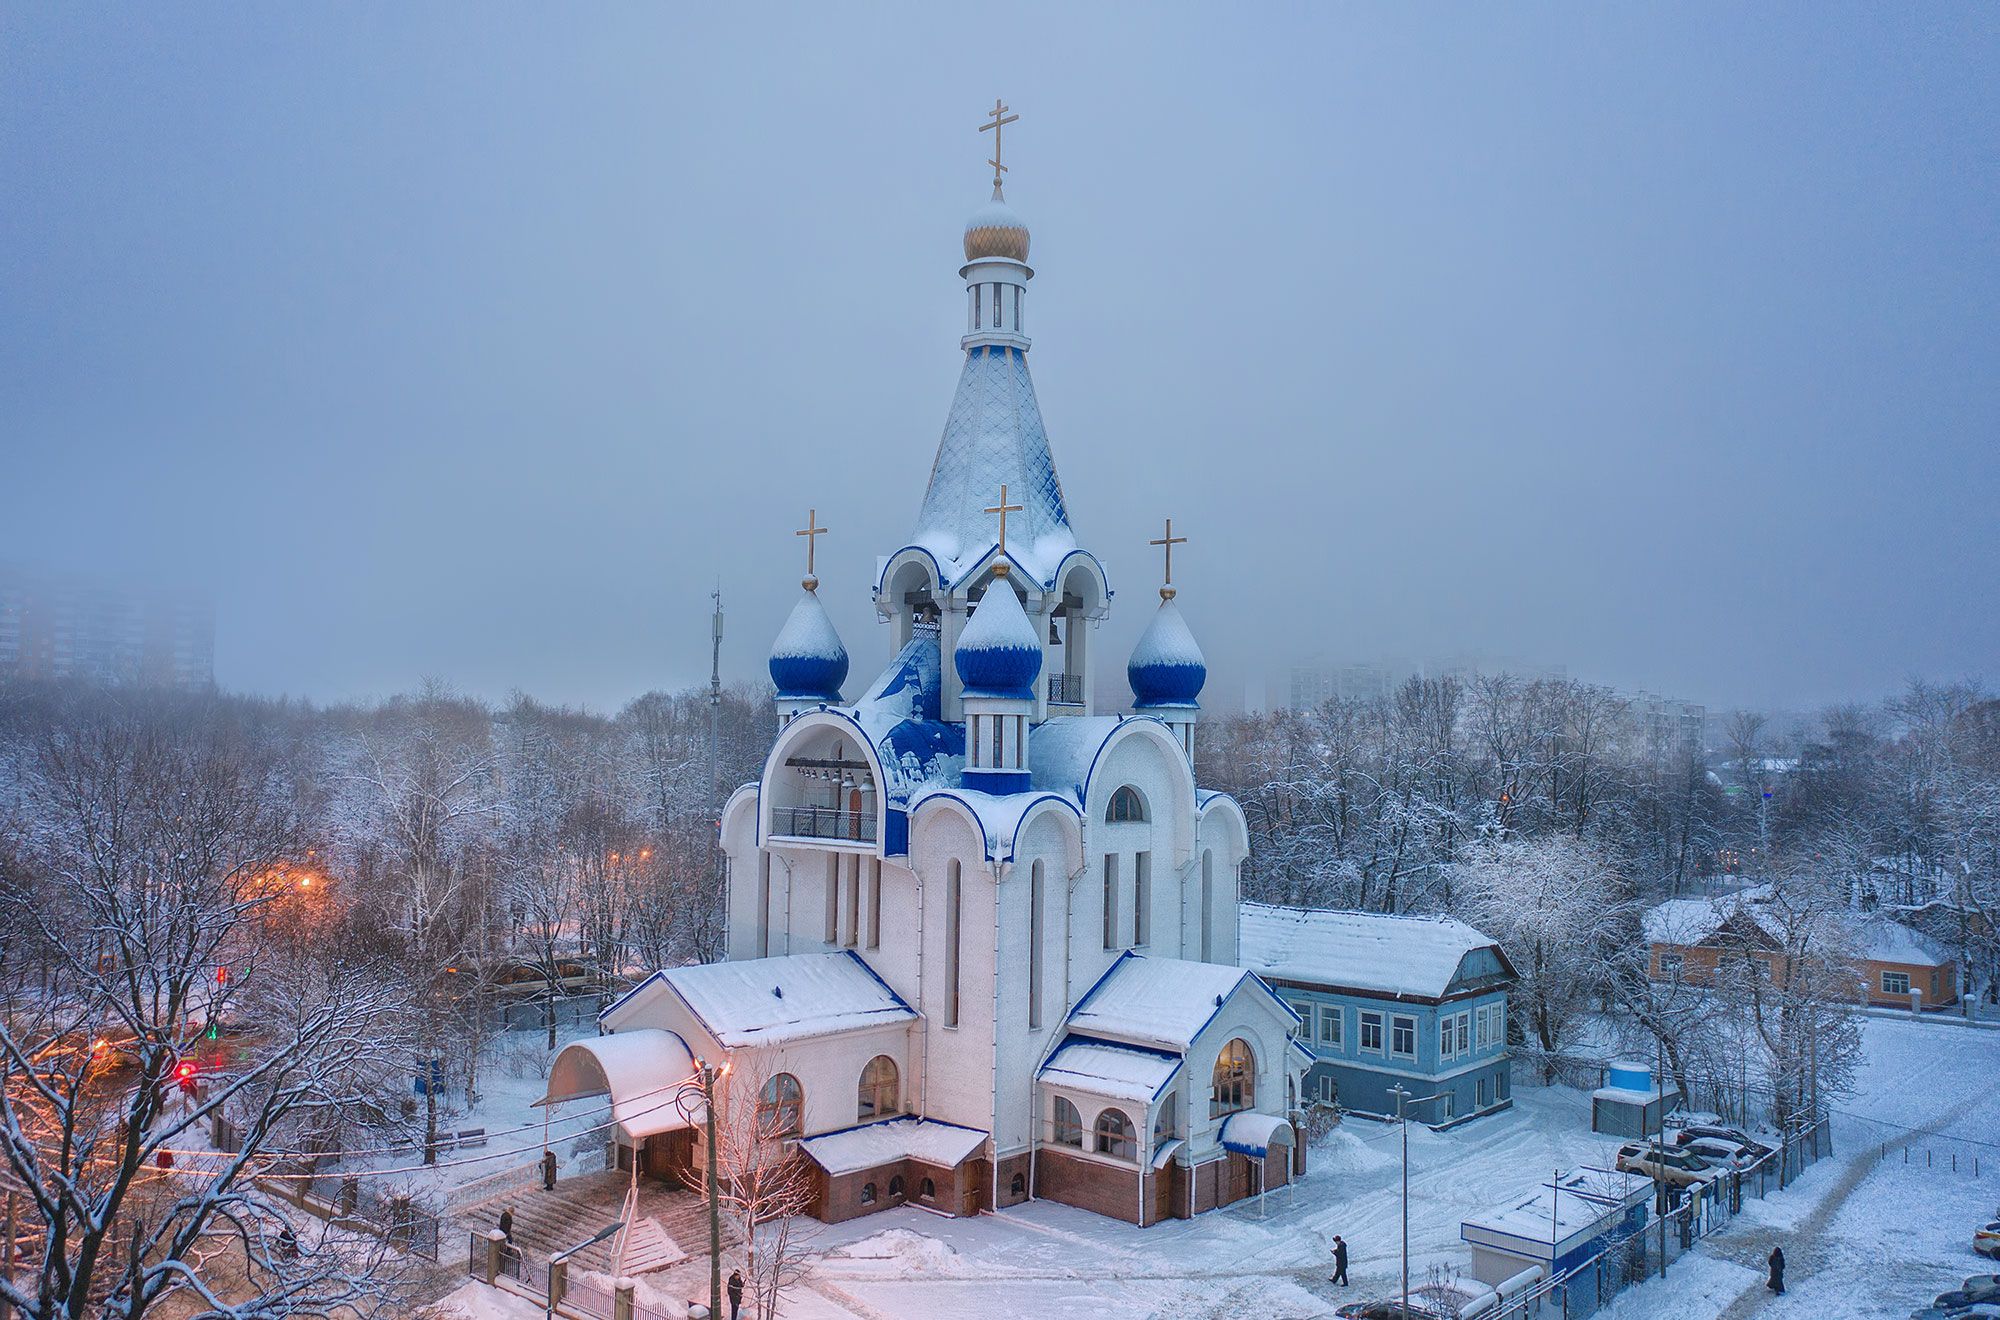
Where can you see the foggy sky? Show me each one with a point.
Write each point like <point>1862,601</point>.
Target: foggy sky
<point>480,341</point>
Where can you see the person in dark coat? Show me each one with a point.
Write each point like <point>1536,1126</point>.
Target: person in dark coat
<point>288,1243</point>
<point>507,1224</point>
<point>735,1293</point>
<point>1339,1261</point>
<point>1777,1262</point>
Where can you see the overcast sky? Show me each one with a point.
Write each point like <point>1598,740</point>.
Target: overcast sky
<point>479,341</point>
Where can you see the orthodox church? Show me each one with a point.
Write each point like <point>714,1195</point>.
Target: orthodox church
<point>982,939</point>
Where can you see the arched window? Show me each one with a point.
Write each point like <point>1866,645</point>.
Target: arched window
<point>868,1193</point>
<point>928,1190</point>
<point>1114,1135</point>
<point>1167,1123</point>
<point>1235,1080</point>
<point>1126,804</point>
<point>1069,1124</point>
<point>781,1107</point>
<point>881,1088</point>
<point>896,1187</point>
<point>1019,1187</point>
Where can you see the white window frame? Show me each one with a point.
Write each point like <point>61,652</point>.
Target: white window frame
<point>1381,1025</point>
<point>1446,1035</point>
<point>1336,1015</point>
<point>1888,989</point>
<point>1404,1021</point>
<point>1464,1034</point>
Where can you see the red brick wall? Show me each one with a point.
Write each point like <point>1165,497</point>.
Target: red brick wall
<point>1010,1166</point>
<point>837,1197</point>
<point>1108,1189</point>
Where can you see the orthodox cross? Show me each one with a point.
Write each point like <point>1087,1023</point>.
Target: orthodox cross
<point>812,531</point>
<point>1003,509</point>
<point>1169,541</point>
<point>998,114</point>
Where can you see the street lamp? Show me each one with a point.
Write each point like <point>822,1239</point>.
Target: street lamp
<point>704,1082</point>
<point>1403,1096</point>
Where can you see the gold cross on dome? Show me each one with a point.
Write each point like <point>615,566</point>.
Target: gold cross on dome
<point>998,114</point>
<point>1169,541</point>
<point>812,531</point>
<point>1003,509</point>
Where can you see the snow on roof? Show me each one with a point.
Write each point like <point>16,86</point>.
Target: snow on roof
<point>1162,1002</point>
<point>1116,1072</point>
<point>1000,815</point>
<point>992,435</point>
<point>1249,1133</point>
<point>1061,752</point>
<point>851,1150</point>
<point>1367,951</point>
<point>1884,940</point>
<point>640,1070</point>
<point>1549,1217</point>
<point>763,1001</point>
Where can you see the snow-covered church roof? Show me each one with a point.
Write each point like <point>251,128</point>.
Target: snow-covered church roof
<point>767,1001</point>
<point>994,436</point>
<point>1162,1003</point>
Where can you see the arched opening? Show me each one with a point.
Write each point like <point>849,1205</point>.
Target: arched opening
<point>896,1187</point>
<point>868,1193</point>
<point>1235,1081</point>
<point>825,790</point>
<point>881,1089</point>
<point>928,1190</point>
<point>1115,1137</point>
<point>1079,600</point>
<point>781,1107</point>
<point>1018,1187</point>
<point>1125,805</point>
<point>1068,1125</point>
<point>910,598</point>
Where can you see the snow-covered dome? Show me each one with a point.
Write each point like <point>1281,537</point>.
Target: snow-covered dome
<point>1166,668</point>
<point>808,663</point>
<point>996,231</point>
<point>999,653</point>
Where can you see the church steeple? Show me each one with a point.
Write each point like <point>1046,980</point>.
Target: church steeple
<point>808,662</point>
<point>1167,669</point>
<point>992,438</point>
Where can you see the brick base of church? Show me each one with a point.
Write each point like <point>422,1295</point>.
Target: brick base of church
<point>1170,1192</point>
<point>964,1190</point>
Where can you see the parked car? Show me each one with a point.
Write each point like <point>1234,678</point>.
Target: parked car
<point>1721,1153</point>
<point>1715,1132</point>
<point>1983,1287</point>
<point>1986,1239</point>
<point>1672,1166</point>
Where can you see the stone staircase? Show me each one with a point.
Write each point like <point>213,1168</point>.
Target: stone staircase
<point>669,1223</point>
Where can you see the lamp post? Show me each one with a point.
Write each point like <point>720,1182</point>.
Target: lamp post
<point>714,1193</point>
<point>1402,1097</point>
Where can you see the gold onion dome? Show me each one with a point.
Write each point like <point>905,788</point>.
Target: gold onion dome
<point>996,231</point>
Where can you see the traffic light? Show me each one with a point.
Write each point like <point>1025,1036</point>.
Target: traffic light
<point>184,1074</point>
<point>222,976</point>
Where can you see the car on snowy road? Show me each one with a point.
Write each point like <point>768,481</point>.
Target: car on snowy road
<point>1983,1287</point>
<point>1723,1154</point>
<point>1986,1239</point>
<point>1674,1167</point>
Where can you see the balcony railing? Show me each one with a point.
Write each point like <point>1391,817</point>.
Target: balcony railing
<point>824,823</point>
<point>1065,689</point>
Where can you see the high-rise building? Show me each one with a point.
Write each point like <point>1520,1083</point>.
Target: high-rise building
<point>60,628</point>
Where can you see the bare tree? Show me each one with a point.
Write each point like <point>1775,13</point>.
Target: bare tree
<point>764,1187</point>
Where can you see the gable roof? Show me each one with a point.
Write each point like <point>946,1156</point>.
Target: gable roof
<point>1164,1003</point>
<point>766,1001</point>
<point>1371,952</point>
<point>1114,1071</point>
<point>1691,921</point>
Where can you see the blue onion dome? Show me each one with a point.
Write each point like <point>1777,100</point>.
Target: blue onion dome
<point>808,663</point>
<point>999,653</point>
<point>1166,668</point>
<point>995,230</point>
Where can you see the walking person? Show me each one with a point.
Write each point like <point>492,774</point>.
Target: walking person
<point>735,1294</point>
<point>507,1225</point>
<point>1339,1261</point>
<point>1776,1283</point>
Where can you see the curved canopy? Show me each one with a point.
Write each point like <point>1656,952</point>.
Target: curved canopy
<point>1249,1133</point>
<point>646,1073</point>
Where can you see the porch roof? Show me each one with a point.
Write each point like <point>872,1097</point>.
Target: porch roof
<point>850,1150</point>
<point>645,1073</point>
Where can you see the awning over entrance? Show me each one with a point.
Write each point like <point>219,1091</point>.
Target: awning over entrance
<point>1254,1134</point>
<point>648,1074</point>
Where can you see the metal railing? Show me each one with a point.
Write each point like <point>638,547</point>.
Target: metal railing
<point>1065,689</point>
<point>824,823</point>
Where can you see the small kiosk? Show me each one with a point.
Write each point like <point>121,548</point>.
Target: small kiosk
<point>1559,1225</point>
<point>1630,1103</point>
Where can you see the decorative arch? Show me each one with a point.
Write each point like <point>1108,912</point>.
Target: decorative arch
<point>823,780</point>
<point>1067,1124</point>
<point>881,1089</point>
<point>1233,1084</point>
<point>781,1108</point>
<point>1127,803</point>
<point>1114,1135</point>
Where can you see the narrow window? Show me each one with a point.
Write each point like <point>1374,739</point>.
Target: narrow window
<point>1329,1025</point>
<point>1142,898</point>
<point>1207,905</point>
<point>1068,1125</point>
<point>1111,900</point>
<point>1371,1032</point>
<point>853,900</point>
<point>1465,1033</point>
<point>874,902</point>
<point>896,1187</point>
<point>881,1089</point>
<point>763,904</point>
<point>976,304</point>
<point>996,307</point>
<point>1403,1036</point>
<point>781,1107</point>
<point>1035,946</point>
<point>1233,1085</point>
<point>833,898</point>
<point>951,904</point>
<point>972,758</point>
<point>1444,1038</point>
<point>1017,309</point>
<point>868,1193</point>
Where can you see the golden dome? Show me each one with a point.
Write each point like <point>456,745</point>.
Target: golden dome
<point>996,231</point>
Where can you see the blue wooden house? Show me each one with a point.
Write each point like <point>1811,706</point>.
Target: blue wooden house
<point>1420,1001</point>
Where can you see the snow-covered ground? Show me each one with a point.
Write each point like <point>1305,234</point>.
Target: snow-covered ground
<point>1863,1239</point>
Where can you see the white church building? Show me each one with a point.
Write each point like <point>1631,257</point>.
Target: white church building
<point>982,940</point>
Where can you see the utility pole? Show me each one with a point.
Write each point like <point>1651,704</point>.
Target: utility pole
<point>714,741</point>
<point>1660,1141</point>
<point>714,1191</point>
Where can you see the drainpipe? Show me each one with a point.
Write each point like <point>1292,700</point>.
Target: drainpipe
<point>923,1014</point>
<point>993,1123</point>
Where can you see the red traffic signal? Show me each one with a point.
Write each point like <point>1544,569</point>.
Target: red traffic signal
<point>222,976</point>
<point>184,1074</point>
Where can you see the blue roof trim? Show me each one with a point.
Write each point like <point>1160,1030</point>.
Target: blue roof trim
<point>900,1003</point>
<point>1079,1038</point>
<point>891,1122</point>
<point>1083,789</point>
<point>1014,842</point>
<point>617,1003</point>
<point>937,569</point>
<point>1062,566</point>
<point>1098,984</point>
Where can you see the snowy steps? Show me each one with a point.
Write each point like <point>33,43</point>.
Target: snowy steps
<point>547,1222</point>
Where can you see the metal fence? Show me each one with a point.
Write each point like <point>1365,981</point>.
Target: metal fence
<point>357,1203</point>
<point>824,823</point>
